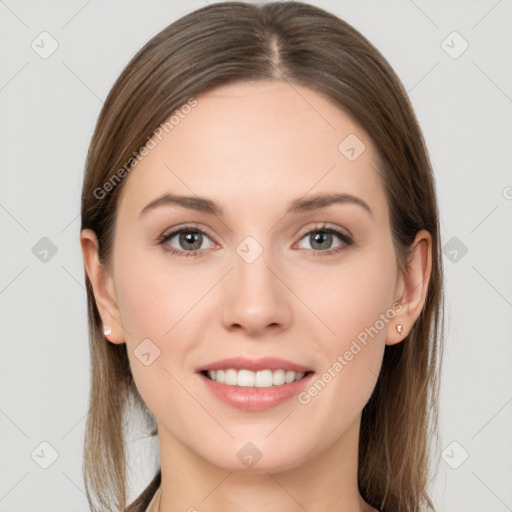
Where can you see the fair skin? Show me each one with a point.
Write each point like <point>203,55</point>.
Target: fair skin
<point>253,148</point>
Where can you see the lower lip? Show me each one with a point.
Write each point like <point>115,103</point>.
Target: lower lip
<point>255,399</point>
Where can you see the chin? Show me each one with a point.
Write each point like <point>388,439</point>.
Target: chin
<point>247,458</point>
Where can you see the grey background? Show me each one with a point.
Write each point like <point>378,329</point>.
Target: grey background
<point>48,108</point>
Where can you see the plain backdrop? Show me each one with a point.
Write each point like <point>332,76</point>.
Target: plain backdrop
<point>455,60</point>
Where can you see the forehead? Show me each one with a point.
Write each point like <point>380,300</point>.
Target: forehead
<point>255,143</point>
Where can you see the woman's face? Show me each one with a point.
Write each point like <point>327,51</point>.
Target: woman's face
<point>262,275</point>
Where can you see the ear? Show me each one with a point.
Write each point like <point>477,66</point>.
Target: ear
<point>103,287</point>
<point>412,286</point>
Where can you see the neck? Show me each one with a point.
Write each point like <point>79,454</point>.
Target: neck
<point>328,481</point>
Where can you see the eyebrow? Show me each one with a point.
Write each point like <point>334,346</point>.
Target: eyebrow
<point>208,206</point>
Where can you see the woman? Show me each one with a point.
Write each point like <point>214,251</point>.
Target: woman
<point>261,242</point>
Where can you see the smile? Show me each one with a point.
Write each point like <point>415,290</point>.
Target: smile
<point>250,379</point>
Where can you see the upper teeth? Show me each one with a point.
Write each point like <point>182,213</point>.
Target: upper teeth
<point>260,379</point>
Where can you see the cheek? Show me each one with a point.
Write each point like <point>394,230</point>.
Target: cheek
<point>158,301</point>
<point>351,297</point>
<point>368,295</point>
<point>155,294</point>
<point>356,303</point>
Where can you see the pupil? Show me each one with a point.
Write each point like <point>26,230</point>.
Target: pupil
<point>190,237</point>
<point>327,238</point>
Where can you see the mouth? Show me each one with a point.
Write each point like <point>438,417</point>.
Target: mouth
<point>254,385</point>
<point>254,379</point>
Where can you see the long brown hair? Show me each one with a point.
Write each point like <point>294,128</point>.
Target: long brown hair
<point>300,44</point>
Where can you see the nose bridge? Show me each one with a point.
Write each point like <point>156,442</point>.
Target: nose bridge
<point>256,298</point>
<point>252,269</point>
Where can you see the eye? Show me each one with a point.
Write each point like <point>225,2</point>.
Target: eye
<point>321,239</point>
<point>190,241</point>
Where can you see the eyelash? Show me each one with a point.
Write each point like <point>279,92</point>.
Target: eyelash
<point>347,241</point>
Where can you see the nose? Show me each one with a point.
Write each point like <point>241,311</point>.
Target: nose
<point>255,297</point>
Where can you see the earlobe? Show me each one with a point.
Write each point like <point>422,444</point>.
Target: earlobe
<point>413,287</point>
<point>102,285</point>
<point>397,333</point>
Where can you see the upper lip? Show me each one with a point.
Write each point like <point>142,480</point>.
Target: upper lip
<point>265,363</point>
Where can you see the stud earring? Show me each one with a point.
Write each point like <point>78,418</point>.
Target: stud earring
<point>399,328</point>
<point>107,331</point>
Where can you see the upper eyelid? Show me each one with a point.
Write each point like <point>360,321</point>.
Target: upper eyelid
<point>327,226</point>
<point>186,227</point>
